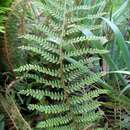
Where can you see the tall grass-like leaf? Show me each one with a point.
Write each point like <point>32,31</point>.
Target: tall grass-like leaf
<point>120,11</point>
<point>125,89</point>
<point>121,72</point>
<point>120,42</point>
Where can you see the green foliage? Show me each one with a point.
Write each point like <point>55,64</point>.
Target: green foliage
<point>61,72</point>
<point>3,10</point>
<point>64,75</point>
<point>2,122</point>
<point>5,3</point>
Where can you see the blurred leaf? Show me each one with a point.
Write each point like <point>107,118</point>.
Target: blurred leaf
<point>2,123</point>
<point>121,72</point>
<point>120,42</point>
<point>1,29</point>
<point>120,11</point>
<point>125,89</point>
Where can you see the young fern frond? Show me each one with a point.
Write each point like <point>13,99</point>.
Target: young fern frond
<point>65,76</point>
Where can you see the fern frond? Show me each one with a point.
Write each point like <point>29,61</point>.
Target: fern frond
<point>77,85</point>
<point>55,4</point>
<point>57,121</point>
<point>76,28</point>
<point>47,9</point>
<point>49,109</point>
<point>84,7</point>
<point>84,51</point>
<point>87,107</point>
<point>40,94</point>
<point>67,127</point>
<point>47,56</point>
<point>89,117</point>
<point>45,29</point>
<point>70,67</point>
<point>89,60</point>
<point>99,129</point>
<point>56,26</point>
<point>89,17</point>
<point>56,14</point>
<point>37,68</point>
<point>53,83</point>
<point>42,42</point>
<point>73,74</point>
<point>67,61</point>
<point>84,38</point>
<point>88,96</point>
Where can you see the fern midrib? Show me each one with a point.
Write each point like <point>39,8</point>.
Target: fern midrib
<point>62,53</point>
<point>61,60</point>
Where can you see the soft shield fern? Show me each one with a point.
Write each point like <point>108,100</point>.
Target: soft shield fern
<point>64,76</point>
